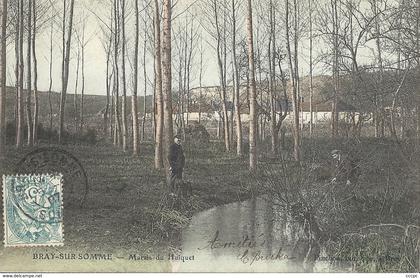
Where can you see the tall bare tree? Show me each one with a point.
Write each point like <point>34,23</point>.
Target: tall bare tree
<point>76,88</point>
<point>20,113</point>
<point>17,63</point>
<point>124,81</point>
<point>3,20</point>
<point>311,66</point>
<point>200,79</point>
<point>158,90</point>
<point>221,60</point>
<point>379,113</point>
<point>135,86</point>
<point>167,74</point>
<point>417,32</point>
<point>277,113</point>
<point>294,80</point>
<point>145,44</point>
<point>216,27</point>
<point>252,92</point>
<point>83,44</point>
<point>66,65</point>
<point>117,120</point>
<point>336,71</point>
<point>29,74</point>
<point>236,84</point>
<point>35,61</point>
<point>108,46</point>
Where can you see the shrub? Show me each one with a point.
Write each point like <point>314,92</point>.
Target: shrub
<point>196,132</point>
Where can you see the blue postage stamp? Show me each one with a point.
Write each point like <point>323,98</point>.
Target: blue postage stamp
<point>33,211</point>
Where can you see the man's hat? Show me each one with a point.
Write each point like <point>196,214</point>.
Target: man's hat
<point>335,152</point>
<point>177,136</point>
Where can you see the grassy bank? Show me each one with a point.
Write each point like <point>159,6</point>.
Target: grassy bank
<point>128,208</point>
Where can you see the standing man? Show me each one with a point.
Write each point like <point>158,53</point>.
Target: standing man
<point>176,160</point>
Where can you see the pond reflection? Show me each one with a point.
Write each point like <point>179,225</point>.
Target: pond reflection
<point>250,236</point>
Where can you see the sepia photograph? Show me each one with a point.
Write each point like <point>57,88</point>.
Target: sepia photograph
<point>210,136</point>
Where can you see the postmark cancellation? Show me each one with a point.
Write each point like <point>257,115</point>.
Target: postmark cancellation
<point>33,210</point>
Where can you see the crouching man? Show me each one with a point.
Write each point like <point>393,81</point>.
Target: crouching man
<point>344,169</point>
<point>176,161</point>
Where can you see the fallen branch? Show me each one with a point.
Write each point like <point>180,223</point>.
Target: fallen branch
<point>405,228</point>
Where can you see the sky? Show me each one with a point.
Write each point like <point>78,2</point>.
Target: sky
<point>95,57</point>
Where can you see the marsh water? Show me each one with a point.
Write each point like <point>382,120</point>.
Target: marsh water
<point>250,236</point>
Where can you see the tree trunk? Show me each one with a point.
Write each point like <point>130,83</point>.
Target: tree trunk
<point>236,88</point>
<point>296,65</point>
<point>296,133</point>
<point>179,119</point>
<point>189,66</point>
<point>417,115</point>
<point>3,14</point>
<point>65,74</point>
<point>108,85</point>
<point>143,124</point>
<point>200,79</point>
<point>272,79</point>
<point>124,82</point>
<point>222,73</point>
<point>112,106</point>
<point>379,105</point>
<point>19,132</point>
<point>76,87</point>
<point>134,96</point>
<point>82,91</point>
<point>29,76</point>
<point>117,125</point>
<point>252,92</point>
<point>35,60</point>
<point>226,124</point>
<point>158,90</point>
<point>282,112</point>
<point>334,108</point>
<point>166,74</point>
<point>17,61</point>
<point>50,81</point>
<point>311,86</point>
<point>259,82</point>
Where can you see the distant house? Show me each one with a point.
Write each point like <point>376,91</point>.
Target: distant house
<point>211,108</point>
<point>322,111</point>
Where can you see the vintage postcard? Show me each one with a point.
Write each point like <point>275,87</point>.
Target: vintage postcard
<point>210,136</point>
